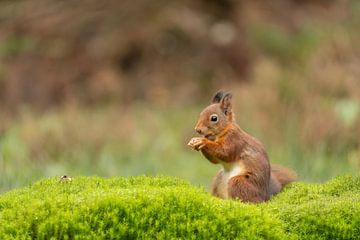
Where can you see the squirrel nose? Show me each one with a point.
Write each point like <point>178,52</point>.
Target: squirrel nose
<point>199,130</point>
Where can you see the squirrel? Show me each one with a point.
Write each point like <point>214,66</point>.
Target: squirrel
<point>247,174</point>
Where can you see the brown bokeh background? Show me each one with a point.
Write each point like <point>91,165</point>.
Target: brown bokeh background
<point>292,65</point>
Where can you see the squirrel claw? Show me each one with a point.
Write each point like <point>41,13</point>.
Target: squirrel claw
<point>201,146</point>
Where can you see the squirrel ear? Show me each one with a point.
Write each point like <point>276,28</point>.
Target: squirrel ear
<point>218,96</point>
<point>225,103</point>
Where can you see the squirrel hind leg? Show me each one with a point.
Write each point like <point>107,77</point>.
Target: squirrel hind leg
<point>240,187</point>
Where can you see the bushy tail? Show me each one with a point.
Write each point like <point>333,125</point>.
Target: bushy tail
<point>283,175</point>
<point>280,177</point>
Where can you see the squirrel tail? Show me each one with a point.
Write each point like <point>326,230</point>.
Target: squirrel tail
<point>280,177</point>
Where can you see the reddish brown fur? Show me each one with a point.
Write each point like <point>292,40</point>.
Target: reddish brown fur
<point>247,174</point>
<point>282,176</point>
<point>215,184</point>
<point>246,190</point>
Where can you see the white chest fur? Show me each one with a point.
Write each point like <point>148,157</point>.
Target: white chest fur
<point>229,171</point>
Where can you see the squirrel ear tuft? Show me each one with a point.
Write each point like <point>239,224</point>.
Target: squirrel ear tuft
<point>218,96</point>
<point>225,103</point>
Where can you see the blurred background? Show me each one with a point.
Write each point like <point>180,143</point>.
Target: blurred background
<point>114,88</point>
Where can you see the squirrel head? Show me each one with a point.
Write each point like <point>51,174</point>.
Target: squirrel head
<point>216,117</point>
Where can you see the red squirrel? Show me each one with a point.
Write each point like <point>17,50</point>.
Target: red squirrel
<point>247,174</point>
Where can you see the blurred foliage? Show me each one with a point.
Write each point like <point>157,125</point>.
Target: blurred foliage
<point>107,142</point>
<point>169,208</point>
<point>288,48</point>
<point>114,88</point>
<point>138,140</point>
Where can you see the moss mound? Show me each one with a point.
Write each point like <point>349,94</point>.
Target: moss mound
<point>321,211</point>
<point>169,208</point>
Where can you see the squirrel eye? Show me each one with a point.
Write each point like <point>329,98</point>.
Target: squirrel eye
<point>214,118</point>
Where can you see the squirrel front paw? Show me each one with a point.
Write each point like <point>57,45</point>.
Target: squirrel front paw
<point>197,143</point>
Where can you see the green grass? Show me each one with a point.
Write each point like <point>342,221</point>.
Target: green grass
<point>170,208</point>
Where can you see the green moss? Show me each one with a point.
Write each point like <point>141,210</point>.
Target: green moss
<point>321,211</point>
<point>169,208</point>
